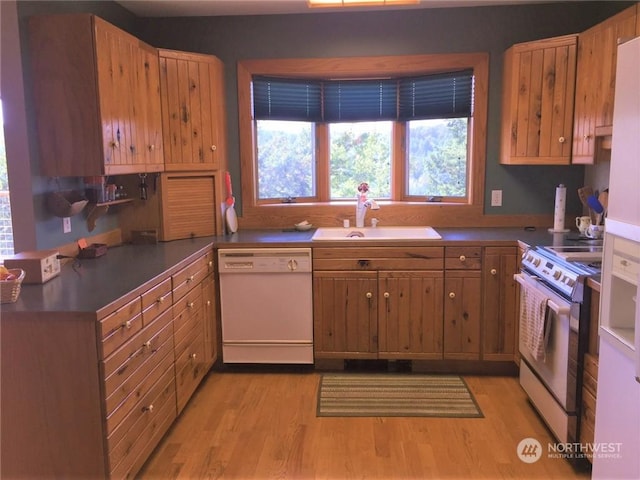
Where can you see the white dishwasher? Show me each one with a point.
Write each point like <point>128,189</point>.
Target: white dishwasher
<point>266,305</point>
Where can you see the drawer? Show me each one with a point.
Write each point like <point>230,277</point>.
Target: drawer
<point>190,369</point>
<point>152,416</point>
<point>588,414</point>
<point>463,258</point>
<point>133,388</point>
<point>156,300</point>
<point>126,360</point>
<point>590,374</point>
<point>378,258</point>
<point>190,326</point>
<point>120,326</point>
<point>190,276</point>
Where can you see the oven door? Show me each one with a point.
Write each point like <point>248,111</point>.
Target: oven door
<point>550,382</point>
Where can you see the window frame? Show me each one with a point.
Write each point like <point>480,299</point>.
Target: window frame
<point>255,212</point>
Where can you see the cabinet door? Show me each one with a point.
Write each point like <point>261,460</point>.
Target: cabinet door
<point>462,309</point>
<point>538,97</point>
<point>595,81</point>
<point>148,116</point>
<point>410,315</point>
<point>345,314</point>
<point>189,207</point>
<point>500,311</point>
<point>210,320</point>
<point>192,110</point>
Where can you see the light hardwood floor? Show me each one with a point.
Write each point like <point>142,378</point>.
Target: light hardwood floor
<point>264,426</point>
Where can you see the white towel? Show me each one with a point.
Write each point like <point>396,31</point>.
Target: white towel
<point>533,309</point>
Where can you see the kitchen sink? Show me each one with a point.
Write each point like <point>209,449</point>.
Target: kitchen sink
<point>374,233</point>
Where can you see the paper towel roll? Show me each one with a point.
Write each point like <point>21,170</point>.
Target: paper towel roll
<point>558,213</point>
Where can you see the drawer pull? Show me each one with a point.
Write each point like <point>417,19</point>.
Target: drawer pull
<point>193,356</point>
<point>213,148</point>
<point>190,279</point>
<point>190,304</point>
<point>160,300</point>
<point>624,263</point>
<point>208,303</point>
<point>562,139</point>
<point>462,258</point>
<point>494,271</point>
<point>452,295</point>
<point>385,294</point>
<point>148,408</point>
<point>369,295</point>
<point>147,344</point>
<point>210,263</point>
<point>127,324</point>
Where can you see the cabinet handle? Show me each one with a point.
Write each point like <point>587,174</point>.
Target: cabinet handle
<point>190,304</point>
<point>369,295</point>
<point>127,324</point>
<point>114,144</point>
<point>561,140</point>
<point>462,258</point>
<point>624,263</point>
<point>587,137</point>
<point>452,295</point>
<point>148,408</point>
<point>193,356</point>
<point>385,294</point>
<point>160,300</point>
<point>213,148</point>
<point>208,303</point>
<point>493,271</point>
<point>147,344</point>
<point>190,279</point>
<point>152,147</point>
<point>210,263</point>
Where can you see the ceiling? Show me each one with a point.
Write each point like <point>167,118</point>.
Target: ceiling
<point>203,8</point>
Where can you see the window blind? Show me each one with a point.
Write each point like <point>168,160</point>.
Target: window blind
<point>360,100</point>
<point>287,99</point>
<point>446,95</point>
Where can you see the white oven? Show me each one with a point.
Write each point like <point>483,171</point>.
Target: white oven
<point>550,382</point>
<point>551,376</point>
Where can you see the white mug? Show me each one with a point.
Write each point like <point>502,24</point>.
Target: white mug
<point>583,224</point>
<point>595,231</point>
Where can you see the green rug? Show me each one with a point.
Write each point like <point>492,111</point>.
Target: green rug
<point>395,395</point>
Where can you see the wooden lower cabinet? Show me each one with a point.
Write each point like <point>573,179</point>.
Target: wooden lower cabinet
<point>345,314</point>
<point>500,304</point>
<point>104,387</point>
<point>384,310</point>
<point>590,374</point>
<point>410,315</point>
<point>462,309</point>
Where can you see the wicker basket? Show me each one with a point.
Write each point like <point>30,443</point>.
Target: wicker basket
<point>10,289</point>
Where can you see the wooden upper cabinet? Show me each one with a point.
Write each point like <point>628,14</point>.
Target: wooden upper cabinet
<point>192,90</point>
<point>595,83</point>
<point>97,98</point>
<point>537,102</point>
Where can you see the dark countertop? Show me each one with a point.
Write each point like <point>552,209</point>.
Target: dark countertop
<point>497,236</point>
<point>99,284</point>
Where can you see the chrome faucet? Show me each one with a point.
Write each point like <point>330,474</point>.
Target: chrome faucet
<point>363,203</point>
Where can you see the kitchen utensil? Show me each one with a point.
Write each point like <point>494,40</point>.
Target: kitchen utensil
<point>603,198</point>
<point>230,213</point>
<point>596,206</point>
<point>595,231</point>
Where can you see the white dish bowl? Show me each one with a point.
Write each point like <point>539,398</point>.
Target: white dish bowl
<point>303,227</point>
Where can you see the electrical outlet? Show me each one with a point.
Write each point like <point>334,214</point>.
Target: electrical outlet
<point>66,225</point>
<point>496,198</point>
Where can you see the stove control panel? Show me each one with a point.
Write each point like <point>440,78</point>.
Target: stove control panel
<point>565,277</point>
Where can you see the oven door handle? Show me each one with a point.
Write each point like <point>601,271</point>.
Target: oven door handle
<point>526,280</point>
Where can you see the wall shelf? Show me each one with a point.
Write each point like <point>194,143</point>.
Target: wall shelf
<point>96,210</point>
